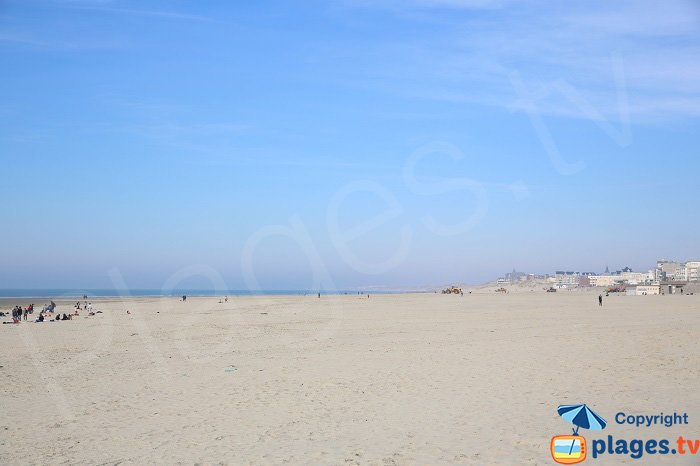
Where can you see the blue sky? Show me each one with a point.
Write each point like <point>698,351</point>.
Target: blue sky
<point>346,143</point>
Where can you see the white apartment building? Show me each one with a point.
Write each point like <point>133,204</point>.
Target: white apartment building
<point>566,279</point>
<point>693,271</point>
<point>680,275</point>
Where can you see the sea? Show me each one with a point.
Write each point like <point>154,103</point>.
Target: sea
<point>108,293</point>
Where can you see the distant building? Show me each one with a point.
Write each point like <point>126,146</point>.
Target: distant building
<point>680,275</point>
<point>686,272</point>
<point>634,278</point>
<point>666,270</point>
<point>604,280</point>
<point>693,271</point>
<point>665,273</point>
<point>643,290</point>
<point>566,279</point>
<point>672,271</point>
<point>514,276</point>
<point>671,288</point>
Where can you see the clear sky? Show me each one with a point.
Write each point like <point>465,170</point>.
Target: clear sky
<point>346,143</point>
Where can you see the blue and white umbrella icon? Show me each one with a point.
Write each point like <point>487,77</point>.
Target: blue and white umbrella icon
<point>581,416</point>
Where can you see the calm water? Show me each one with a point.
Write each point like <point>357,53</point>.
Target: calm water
<point>68,293</point>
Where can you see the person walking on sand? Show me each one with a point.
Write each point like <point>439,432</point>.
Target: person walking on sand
<point>600,300</point>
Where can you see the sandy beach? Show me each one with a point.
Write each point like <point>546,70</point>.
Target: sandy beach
<point>393,379</point>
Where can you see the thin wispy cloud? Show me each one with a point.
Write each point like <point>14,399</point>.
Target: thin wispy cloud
<point>21,39</point>
<point>420,4</point>
<point>139,12</point>
<point>111,7</point>
<point>548,46</point>
<point>31,40</point>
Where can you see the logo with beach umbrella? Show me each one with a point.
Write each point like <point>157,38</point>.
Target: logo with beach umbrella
<point>571,449</point>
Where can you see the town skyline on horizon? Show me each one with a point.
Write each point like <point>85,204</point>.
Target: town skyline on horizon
<point>508,277</point>
<point>666,276</point>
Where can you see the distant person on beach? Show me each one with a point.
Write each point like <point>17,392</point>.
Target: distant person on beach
<point>600,300</point>
<point>319,295</point>
<point>25,313</point>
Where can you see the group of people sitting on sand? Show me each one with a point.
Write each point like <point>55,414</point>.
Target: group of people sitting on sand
<point>58,317</point>
<point>48,313</point>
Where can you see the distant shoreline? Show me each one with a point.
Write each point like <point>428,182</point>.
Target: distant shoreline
<point>92,294</point>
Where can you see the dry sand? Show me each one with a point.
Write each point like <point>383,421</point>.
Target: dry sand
<point>394,379</point>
